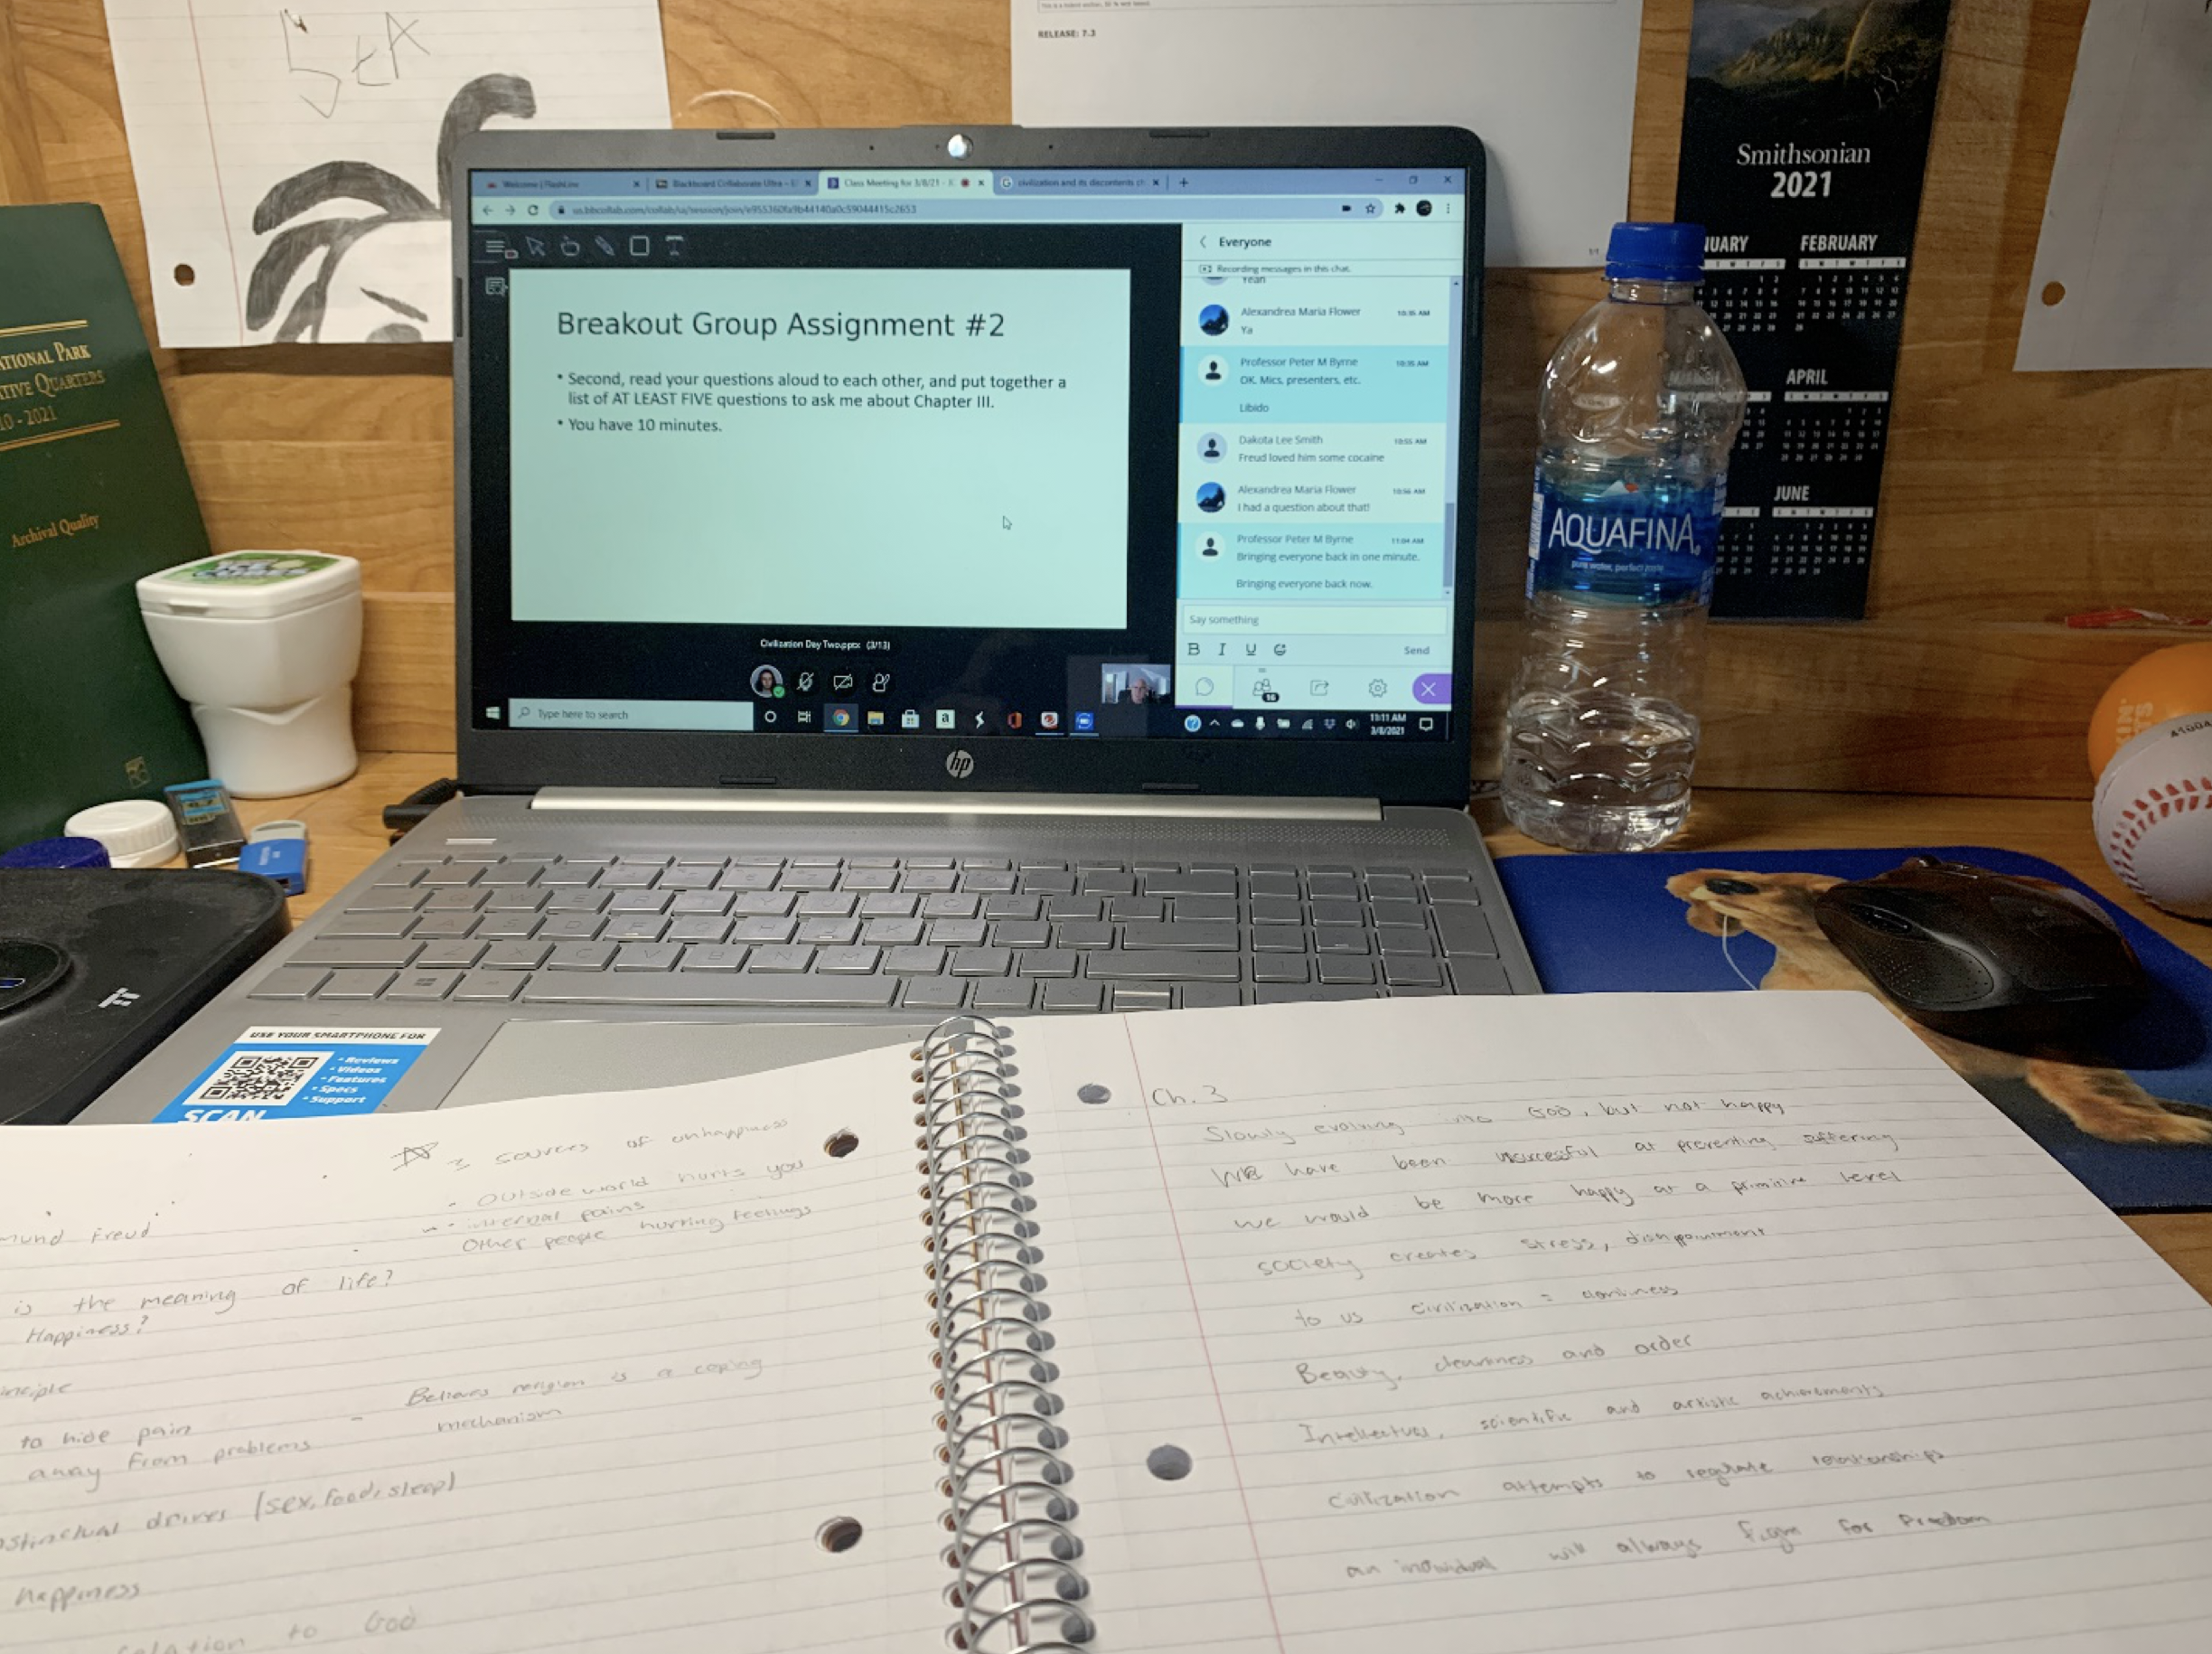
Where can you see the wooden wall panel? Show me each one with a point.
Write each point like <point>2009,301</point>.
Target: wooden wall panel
<point>403,699</point>
<point>2011,501</point>
<point>23,165</point>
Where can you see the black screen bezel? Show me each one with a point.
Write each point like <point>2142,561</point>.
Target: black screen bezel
<point>1391,772</point>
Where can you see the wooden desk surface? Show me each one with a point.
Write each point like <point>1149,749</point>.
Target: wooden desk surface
<point>345,834</point>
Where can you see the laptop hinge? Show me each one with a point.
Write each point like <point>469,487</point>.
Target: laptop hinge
<point>686,801</point>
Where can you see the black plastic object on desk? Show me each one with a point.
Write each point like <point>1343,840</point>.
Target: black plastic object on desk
<point>2023,964</point>
<point>99,965</point>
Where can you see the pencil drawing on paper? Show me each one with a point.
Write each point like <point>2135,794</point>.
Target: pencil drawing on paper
<point>378,275</point>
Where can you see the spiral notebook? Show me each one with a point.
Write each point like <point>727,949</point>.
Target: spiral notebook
<point>1650,1323</point>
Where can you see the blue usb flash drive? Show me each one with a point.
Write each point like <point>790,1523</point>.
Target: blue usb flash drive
<point>278,850</point>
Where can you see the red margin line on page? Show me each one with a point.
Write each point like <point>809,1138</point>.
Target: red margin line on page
<point>1221,1412</point>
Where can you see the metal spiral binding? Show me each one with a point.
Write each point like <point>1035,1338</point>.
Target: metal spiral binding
<point>1012,1553</point>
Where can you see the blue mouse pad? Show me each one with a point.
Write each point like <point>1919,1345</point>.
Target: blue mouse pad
<point>1609,923</point>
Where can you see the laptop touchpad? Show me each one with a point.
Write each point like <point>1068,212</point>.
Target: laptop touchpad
<point>546,1060</point>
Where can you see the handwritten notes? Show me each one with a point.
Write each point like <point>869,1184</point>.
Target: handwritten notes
<point>1604,1323</point>
<point>519,1377</point>
<point>291,161</point>
<point>1731,1323</point>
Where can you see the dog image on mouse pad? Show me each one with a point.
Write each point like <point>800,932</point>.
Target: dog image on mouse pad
<point>2114,1078</point>
<point>1778,909</point>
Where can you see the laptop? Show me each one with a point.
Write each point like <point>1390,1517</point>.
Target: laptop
<point>903,574</point>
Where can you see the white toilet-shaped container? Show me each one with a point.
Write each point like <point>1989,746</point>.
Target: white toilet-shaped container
<point>264,644</point>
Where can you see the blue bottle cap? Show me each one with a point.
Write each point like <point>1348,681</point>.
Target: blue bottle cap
<point>57,853</point>
<point>1655,252</point>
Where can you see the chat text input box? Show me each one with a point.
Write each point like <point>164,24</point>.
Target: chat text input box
<point>1348,619</point>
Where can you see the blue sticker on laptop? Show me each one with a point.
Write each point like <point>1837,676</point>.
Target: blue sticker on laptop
<point>301,1073</point>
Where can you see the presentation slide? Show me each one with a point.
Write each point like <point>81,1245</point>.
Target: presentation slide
<point>821,447</point>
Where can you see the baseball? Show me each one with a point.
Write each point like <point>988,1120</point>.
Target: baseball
<point>2153,815</point>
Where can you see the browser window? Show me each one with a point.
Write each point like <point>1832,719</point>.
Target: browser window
<point>1055,454</point>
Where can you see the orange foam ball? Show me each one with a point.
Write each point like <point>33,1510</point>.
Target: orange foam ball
<point>2166,683</point>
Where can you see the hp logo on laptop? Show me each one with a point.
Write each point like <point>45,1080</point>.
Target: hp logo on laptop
<point>960,764</point>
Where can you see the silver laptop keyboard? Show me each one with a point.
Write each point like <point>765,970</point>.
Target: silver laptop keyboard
<point>914,933</point>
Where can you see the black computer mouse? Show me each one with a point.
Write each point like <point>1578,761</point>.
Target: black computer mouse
<point>2018,964</point>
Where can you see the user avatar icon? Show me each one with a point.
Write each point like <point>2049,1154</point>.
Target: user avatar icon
<point>1213,371</point>
<point>1213,320</point>
<point>1212,548</point>
<point>1211,446</point>
<point>767,680</point>
<point>1212,496</point>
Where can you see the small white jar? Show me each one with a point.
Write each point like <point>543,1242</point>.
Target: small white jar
<point>264,644</point>
<point>138,831</point>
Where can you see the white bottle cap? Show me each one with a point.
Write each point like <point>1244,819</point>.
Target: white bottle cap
<point>251,585</point>
<point>138,831</point>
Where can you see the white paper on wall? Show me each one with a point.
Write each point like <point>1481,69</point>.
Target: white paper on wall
<point>1548,85</point>
<point>290,160</point>
<point>2127,225</point>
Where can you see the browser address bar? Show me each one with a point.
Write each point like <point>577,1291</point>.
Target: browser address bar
<point>635,213</point>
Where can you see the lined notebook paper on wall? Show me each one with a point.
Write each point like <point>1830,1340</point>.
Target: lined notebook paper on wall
<point>290,161</point>
<point>1665,1323</point>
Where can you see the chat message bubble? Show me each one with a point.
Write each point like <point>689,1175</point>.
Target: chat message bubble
<point>1342,311</point>
<point>1315,385</point>
<point>1398,560</point>
<point>1349,472</point>
<point>832,448</point>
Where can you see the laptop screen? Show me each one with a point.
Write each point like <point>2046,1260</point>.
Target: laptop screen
<point>1046,453</point>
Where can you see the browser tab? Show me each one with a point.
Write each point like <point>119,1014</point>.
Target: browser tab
<point>1081,182</point>
<point>919,184</point>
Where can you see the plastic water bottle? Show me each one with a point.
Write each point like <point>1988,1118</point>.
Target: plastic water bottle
<point>1641,404</point>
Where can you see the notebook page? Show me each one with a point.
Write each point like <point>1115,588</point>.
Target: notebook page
<point>287,157</point>
<point>1664,1323</point>
<point>564,1374</point>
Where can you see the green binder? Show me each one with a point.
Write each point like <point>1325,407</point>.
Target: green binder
<point>93,493</point>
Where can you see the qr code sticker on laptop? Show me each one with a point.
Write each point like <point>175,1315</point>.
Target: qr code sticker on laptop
<point>267,1078</point>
